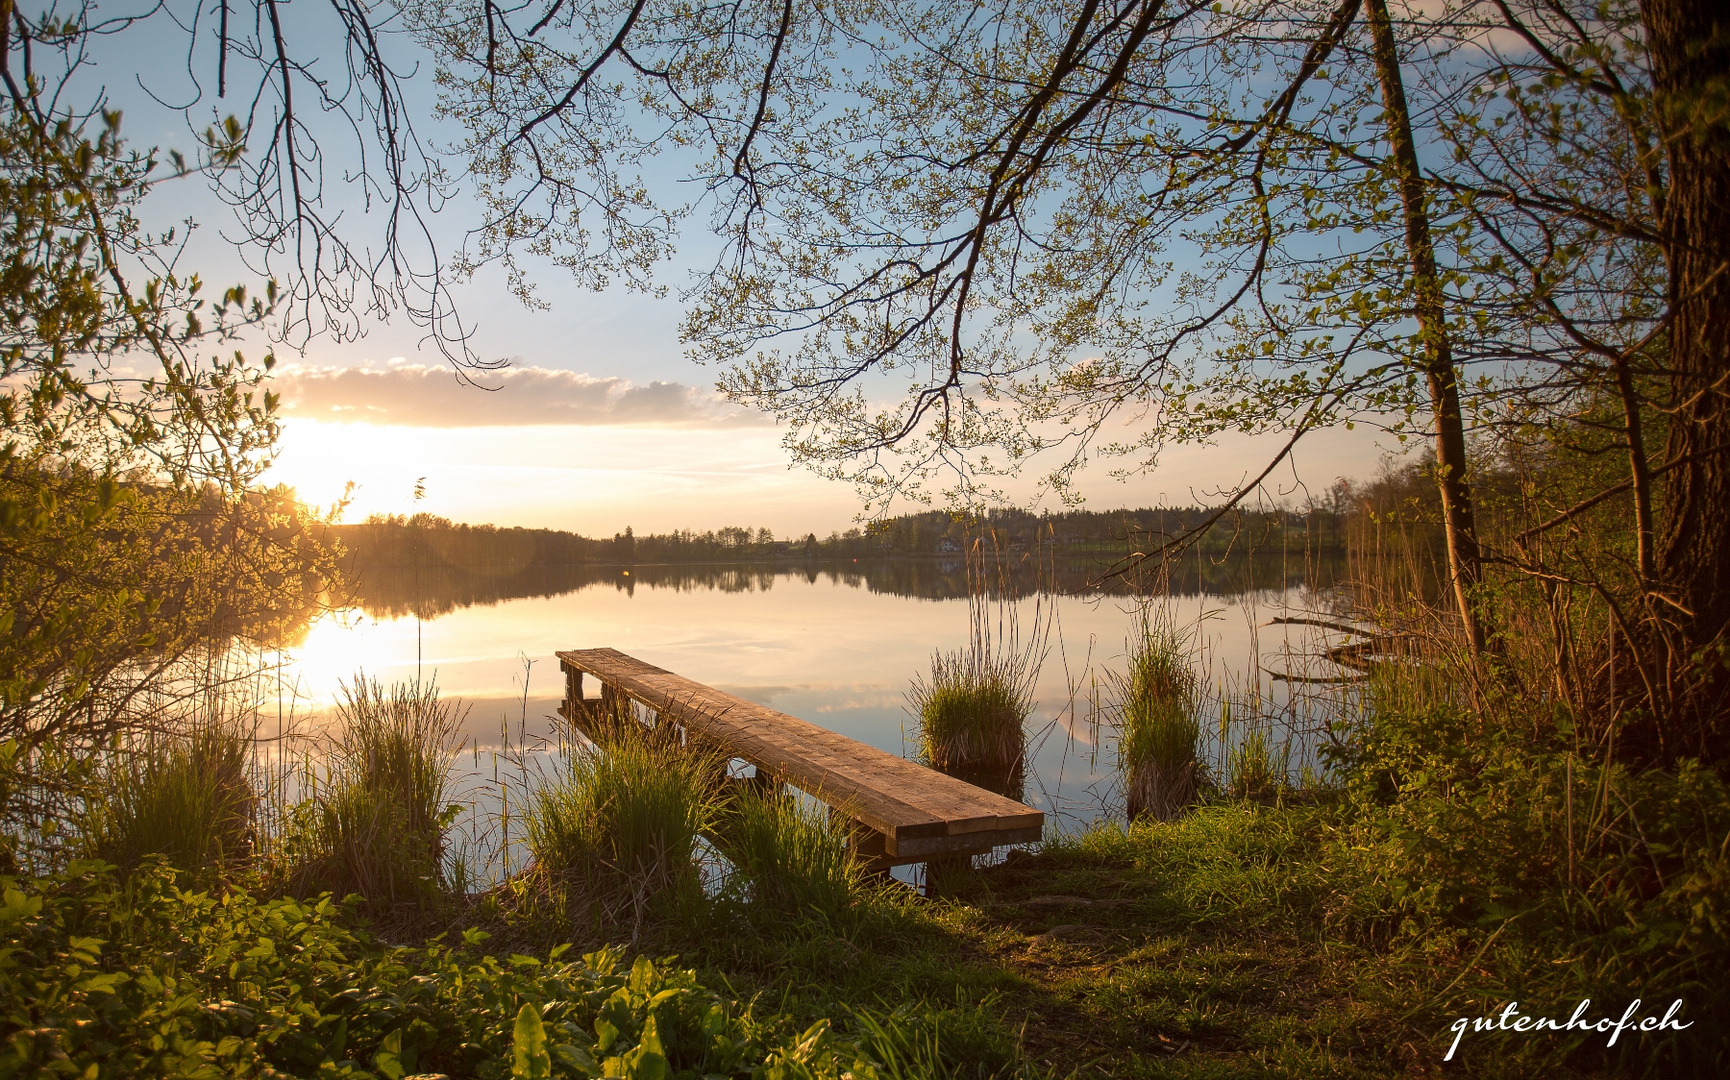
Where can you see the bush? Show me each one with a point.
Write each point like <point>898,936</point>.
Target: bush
<point>1581,878</point>
<point>100,976</point>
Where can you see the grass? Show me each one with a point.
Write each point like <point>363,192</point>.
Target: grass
<point>1250,770</point>
<point>1158,729</point>
<point>971,712</point>
<point>377,825</point>
<point>971,709</point>
<point>186,796</point>
<point>619,831</point>
<point>788,859</point>
<point>1163,950</point>
<point>1249,940</point>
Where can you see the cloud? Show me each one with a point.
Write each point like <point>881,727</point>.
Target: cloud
<point>413,395</point>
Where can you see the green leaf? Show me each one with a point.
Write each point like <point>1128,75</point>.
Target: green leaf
<point>338,1041</point>
<point>388,1060</point>
<point>605,1034</point>
<point>529,1057</point>
<point>649,1060</point>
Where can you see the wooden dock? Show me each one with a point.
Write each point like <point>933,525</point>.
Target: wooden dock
<point>904,812</point>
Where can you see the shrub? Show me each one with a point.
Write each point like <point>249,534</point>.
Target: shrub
<point>139,978</point>
<point>1581,877</point>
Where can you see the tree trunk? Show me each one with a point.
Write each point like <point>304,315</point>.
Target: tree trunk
<point>1464,562</point>
<point>1689,44</point>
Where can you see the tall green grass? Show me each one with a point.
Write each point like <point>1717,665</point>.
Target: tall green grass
<point>1158,729</point>
<point>378,825</point>
<point>187,796</point>
<point>791,859</point>
<point>972,708</point>
<point>620,829</point>
<point>971,712</point>
<point>1250,769</point>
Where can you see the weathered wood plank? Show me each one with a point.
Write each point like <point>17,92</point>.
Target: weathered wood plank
<point>919,812</point>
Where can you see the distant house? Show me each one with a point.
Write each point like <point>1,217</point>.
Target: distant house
<point>947,545</point>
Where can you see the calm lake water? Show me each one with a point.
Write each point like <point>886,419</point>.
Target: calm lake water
<point>837,645</point>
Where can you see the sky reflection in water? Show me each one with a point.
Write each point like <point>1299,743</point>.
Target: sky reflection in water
<point>828,650</point>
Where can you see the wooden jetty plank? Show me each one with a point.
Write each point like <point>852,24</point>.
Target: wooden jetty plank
<point>919,812</point>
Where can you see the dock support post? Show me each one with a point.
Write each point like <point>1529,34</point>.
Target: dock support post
<point>574,704</point>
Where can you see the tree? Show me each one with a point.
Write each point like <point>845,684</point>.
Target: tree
<point>978,211</point>
<point>1689,45</point>
<point>131,537</point>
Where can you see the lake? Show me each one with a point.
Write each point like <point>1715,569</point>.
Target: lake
<point>835,644</point>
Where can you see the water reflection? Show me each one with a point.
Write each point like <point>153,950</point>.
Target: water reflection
<point>396,591</point>
<point>835,644</point>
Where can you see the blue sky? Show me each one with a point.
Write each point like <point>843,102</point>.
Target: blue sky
<point>600,422</point>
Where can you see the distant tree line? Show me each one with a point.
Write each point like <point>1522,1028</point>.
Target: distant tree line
<point>430,541</point>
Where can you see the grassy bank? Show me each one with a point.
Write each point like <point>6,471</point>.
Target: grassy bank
<point>1241,940</point>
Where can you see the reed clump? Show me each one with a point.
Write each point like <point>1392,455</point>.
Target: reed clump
<point>971,712</point>
<point>188,797</point>
<point>1251,772</point>
<point>972,709</point>
<point>619,830</point>
<point>1158,730</point>
<point>378,826</point>
<point>789,858</point>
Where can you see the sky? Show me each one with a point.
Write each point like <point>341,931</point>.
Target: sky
<point>599,422</point>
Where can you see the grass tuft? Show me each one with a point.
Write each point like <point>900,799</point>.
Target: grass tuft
<point>972,708</point>
<point>187,797</point>
<point>1158,730</point>
<point>621,827</point>
<point>971,712</point>
<point>1251,772</point>
<point>792,859</point>
<point>378,827</point>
